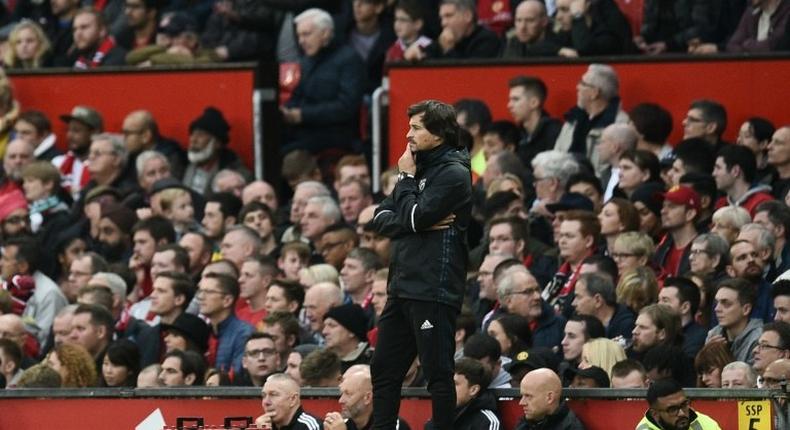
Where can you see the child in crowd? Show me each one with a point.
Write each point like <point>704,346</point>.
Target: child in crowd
<point>408,25</point>
<point>176,206</point>
<point>293,257</point>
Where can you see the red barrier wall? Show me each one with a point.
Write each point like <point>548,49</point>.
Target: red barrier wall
<point>174,97</point>
<point>757,87</point>
<point>98,413</point>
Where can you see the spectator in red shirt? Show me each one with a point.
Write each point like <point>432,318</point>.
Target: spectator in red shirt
<point>256,275</point>
<point>408,25</point>
<point>681,206</point>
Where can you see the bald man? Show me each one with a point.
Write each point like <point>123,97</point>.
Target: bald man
<point>615,140</point>
<point>260,191</point>
<point>541,399</point>
<point>317,301</point>
<point>356,402</point>
<point>282,407</point>
<point>18,154</point>
<point>13,329</point>
<point>776,373</point>
<point>141,133</point>
<point>532,36</point>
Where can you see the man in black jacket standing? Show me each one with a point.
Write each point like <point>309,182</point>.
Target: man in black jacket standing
<point>426,216</point>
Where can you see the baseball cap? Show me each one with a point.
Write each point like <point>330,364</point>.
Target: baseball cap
<point>177,23</point>
<point>595,373</point>
<point>533,358</point>
<point>571,201</point>
<point>86,115</point>
<point>682,195</point>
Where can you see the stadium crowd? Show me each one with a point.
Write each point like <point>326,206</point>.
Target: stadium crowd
<point>94,33</point>
<point>601,254</point>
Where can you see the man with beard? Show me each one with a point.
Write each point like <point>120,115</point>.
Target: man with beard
<point>93,47</point>
<point>746,263</point>
<point>83,122</point>
<point>670,410</point>
<point>114,226</point>
<point>356,402</point>
<point>18,154</point>
<point>141,20</point>
<point>208,152</point>
<point>14,215</point>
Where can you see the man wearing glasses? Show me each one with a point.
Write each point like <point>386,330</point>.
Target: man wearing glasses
<point>260,360</point>
<point>706,119</point>
<point>519,293</point>
<point>670,409</point>
<point>217,295</point>
<point>772,345</point>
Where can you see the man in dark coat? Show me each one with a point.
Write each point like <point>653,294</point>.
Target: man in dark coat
<point>461,37</point>
<point>323,111</point>
<point>592,28</point>
<point>544,409</point>
<point>426,216</point>
<point>93,47</point>
<point>475,405</point>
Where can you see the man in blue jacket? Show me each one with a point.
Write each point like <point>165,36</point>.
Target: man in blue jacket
<point>426,216</point>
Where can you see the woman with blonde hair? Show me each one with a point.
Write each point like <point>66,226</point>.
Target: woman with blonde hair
<point>601,352</point>
<point>75,366</point>
<point>506,182</point>
<point>727,222</point>
<point>316,273</point>
<point>9,111</point>
<point>29,47</point>
<point>632,249</point>
<point>637,288</point>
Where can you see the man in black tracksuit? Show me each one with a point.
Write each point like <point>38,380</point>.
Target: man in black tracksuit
<point>476,406</point>
<point>426,216</point>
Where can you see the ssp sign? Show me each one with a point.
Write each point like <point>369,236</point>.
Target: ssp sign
<point>754,415</point>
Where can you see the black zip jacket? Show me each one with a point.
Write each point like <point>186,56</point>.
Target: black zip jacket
<point>429,265</point>
<point>479,414</point>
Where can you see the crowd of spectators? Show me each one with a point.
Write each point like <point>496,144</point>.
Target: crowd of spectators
<point>88,34</point>
<point>601,254</point>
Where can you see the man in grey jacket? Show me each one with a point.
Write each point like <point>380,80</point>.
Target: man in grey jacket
<point>734,301</point>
